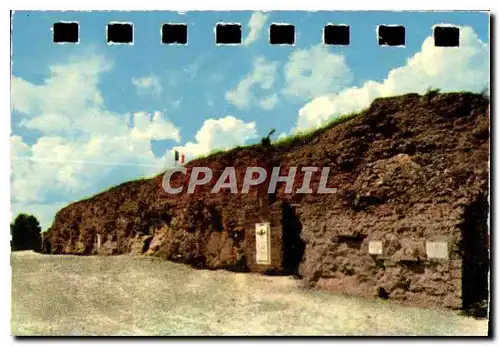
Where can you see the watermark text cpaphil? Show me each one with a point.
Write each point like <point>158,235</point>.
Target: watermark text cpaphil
<point>254,176</point>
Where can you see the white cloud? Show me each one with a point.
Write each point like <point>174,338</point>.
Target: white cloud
<point>44,212</point>
<point>149,85</point>
<point>450,69</point>
<point>70,86</point>
<point>270,102</point>
<point>262,76</point>
<point>48,123</point>
<point>18,147</point>
<point>70,166</point>
<point>256,23</point>
<point>82,142</point>
<point>193,68</point>
<point>222,133</point>
<point>282,135</point>
<point>315,71</point>
<point>145,127</point>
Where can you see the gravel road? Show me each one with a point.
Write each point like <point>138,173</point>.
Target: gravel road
<point>71,295</point>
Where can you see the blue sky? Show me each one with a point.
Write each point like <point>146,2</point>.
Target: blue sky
<point>92,115</point>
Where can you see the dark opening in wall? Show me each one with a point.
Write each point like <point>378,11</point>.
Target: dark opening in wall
<point>415,266</point>
<point>362,202</point>
<point>475,257</point>
<point>241,264</point>
<point>271,198</point>
<point>197,261</point>
<point>382,293</point>
<point>352,240</point>
<point>216,219</point>
<point>145,245</point>
<point>293,245</point>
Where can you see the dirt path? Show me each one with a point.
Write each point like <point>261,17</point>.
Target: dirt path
<point>70,295</point>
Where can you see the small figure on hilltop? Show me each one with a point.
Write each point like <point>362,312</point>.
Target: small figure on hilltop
<point>266,141</point>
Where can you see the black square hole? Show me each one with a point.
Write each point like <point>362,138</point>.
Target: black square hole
<point>336,34</point>
<point>391,35</point>
<point>228,33</point>
<point>282,34</point>
<point>120,33</point>
<point>174,33</point>
<point>65,32</point>
<point>446,36</point>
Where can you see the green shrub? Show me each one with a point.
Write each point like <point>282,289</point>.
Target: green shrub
<point>432,92</point>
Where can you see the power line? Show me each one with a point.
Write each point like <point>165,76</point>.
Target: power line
<point>85,162</point>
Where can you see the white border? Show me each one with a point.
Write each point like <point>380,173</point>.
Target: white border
<point>6,209</point>
<point>190,5</point>
<point>65,22</point>
<point>255,5</point>
<point>119,43</point>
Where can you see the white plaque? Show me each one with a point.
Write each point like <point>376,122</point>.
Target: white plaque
<point>375,247</point>
<point>436,249</point>
<point>263,243</point>
<point>98,242</point>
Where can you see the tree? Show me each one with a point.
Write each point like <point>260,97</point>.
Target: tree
<point>26,233</point>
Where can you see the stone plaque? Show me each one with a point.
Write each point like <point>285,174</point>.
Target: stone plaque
<point>263,243</point>
<point>375,247</point>
<point>98,242</point>
<point>437,249</point>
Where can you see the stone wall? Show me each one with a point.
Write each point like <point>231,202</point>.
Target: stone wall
<point>408,170</point>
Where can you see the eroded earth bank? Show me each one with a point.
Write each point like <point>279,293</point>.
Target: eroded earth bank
<point>409,170</point>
